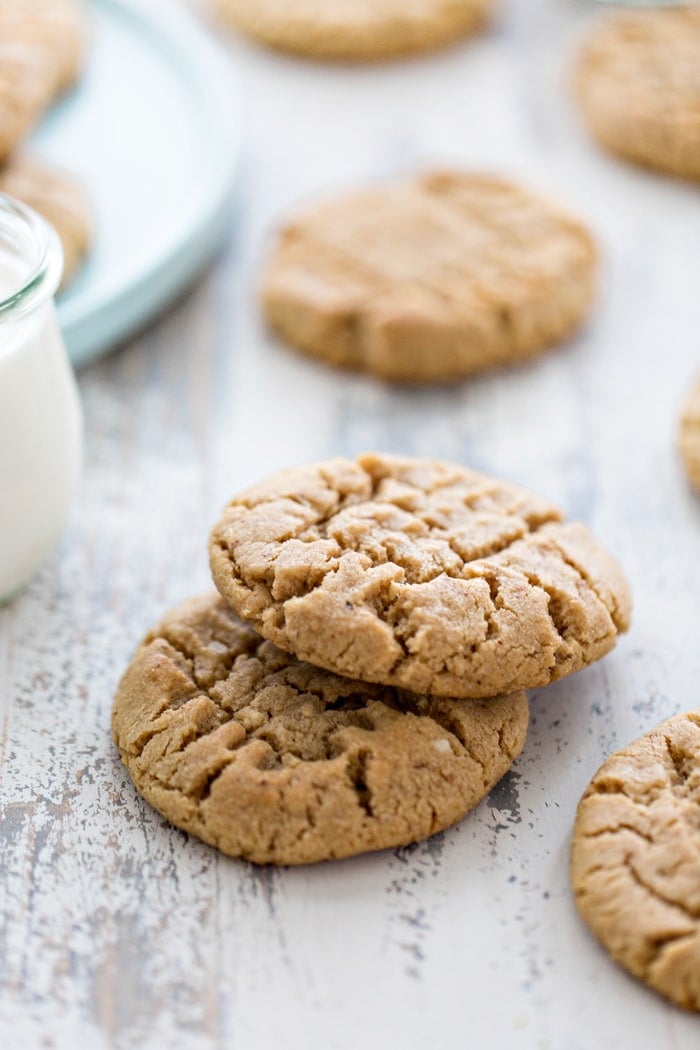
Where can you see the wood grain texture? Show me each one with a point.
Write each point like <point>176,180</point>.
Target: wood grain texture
<point>120,932</point>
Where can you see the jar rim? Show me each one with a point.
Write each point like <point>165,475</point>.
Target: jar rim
<point>37,243</point>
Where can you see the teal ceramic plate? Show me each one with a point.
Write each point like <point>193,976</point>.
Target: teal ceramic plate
<point>153,131</point>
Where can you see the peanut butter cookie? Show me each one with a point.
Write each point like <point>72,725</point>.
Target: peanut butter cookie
<point>59,198</point>
<point>431,279</point>
<point>271,759</point>
<point>639,89</point>
<point>635,858</point>
<point>355,30</point>
<point>690,437</point>
<point>42,44</point>
<point>418,574</point>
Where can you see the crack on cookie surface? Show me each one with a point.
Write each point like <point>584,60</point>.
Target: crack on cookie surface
<point>357,772</point>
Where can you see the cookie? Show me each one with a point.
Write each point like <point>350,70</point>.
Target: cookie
<point>42,44</point>
<point>271,759</point>
<point>430,279</point>
<point>348,30</point>
<point>639,91</point>
<point>418,574</point>
<point>59,198</point>
<point>635,858</point>
<point>690,437</point>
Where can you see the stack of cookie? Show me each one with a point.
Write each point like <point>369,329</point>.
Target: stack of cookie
<point>357,683</point>
<point>42,49</point>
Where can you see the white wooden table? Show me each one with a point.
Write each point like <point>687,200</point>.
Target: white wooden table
<point>119,931</point>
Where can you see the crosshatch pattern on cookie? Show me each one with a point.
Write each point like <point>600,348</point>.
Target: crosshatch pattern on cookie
<point>635,859</point>
<point>430,279</point>
<point>278,761</point>
<point>419,574</point>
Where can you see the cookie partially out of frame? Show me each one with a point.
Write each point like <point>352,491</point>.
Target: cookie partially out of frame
<point>430,279</point>
<point>635,858</point>
<point>690,437</point>
<point>271,759</point>
<point>42,45</point>
<point>639,90</point>
<point>419,574</point>
<point>355,30</point>
<point>61,200</point>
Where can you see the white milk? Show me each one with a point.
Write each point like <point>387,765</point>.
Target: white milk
<point>40,433</point>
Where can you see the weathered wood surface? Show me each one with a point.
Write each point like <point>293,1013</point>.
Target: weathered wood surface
<point>119,931</point>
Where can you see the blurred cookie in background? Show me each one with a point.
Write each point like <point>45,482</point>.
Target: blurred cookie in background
<point>42,46</point>
<point>354,30</point>
<point>61,200</point>
<point>638,84</point>
<point>690,436</point>
<point>431,278</point>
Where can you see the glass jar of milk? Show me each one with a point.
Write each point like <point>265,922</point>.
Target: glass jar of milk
<point>40,419</point>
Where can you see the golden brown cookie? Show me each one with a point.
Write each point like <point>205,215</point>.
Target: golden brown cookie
<point>638,86</point>
<point>42,44</point>
<point>690,437</point>
<point>635,858</point>
<point>59,198</point>
<point>271,759</point>
<point>430,279</point>
<point>418,574</point>
<point>355,29</point>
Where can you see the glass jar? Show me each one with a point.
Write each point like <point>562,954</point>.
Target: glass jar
<point>40,418</point>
